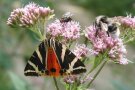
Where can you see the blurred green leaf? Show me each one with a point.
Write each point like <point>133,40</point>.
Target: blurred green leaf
<point>18,83</point>
<point>5,82</point>
<point>108,7</point>
<point>5,60</point>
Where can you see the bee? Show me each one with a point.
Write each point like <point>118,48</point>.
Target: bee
<point>108,25</point>
<point>113,29</point>
<point>66,17</point>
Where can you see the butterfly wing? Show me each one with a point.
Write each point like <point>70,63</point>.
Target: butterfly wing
<point>69,62</point>
<point>36,64</point>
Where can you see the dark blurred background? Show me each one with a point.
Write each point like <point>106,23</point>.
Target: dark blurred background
<point>17,45</point>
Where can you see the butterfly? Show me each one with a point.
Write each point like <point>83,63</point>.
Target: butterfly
<point>53,59</point>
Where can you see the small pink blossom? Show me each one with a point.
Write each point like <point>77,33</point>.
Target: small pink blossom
<point>128,21</point>
<point>90,33</point>
<point>71,30</point>
<point>15,16</point>
<point>88,78</point>
<point>118,51</point>
<point>81,50</point>
<point>70,79</point>
<point>123,61</point>
<point>55,28</point>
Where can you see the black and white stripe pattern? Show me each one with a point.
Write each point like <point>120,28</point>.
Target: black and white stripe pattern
<point>37,63</point>
<point>69,63</point>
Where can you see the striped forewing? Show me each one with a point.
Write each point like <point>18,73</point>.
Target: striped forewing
<point>36,64</point>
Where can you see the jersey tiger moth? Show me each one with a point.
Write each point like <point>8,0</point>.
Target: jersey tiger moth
<point>53,59</point>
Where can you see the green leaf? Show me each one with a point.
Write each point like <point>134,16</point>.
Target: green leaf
<point>80,88</point>
<point>5,60</point>
<point>5,82</point>
<point>18,83</point>
<point>67,86</point>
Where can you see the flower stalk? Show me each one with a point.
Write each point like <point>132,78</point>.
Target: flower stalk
<point>96,74</point>
<point>56,84</point>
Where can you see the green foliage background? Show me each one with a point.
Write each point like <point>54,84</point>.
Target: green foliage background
<point>16,45</point>
<point>108,7</point>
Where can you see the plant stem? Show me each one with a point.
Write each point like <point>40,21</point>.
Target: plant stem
<point>56,85</point>
<point>70,87</point>
<point>97,73</point>
<point>44,28</point>
<point>75,86</point>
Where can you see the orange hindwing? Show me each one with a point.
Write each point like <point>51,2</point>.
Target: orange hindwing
<point>53,65</point>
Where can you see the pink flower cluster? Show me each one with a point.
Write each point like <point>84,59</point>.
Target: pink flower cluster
<point>103,43</point>
<point>70,79</point>
<point>29,15</point>
<point>67,30</point>
<point>81,50</point>
<point>14,18</point>
<point>127,21</point>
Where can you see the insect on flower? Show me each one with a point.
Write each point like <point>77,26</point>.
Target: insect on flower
<point>53,59</point>
<point>65,28</point>
<point>108,25</point>
<point>66,18</point>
